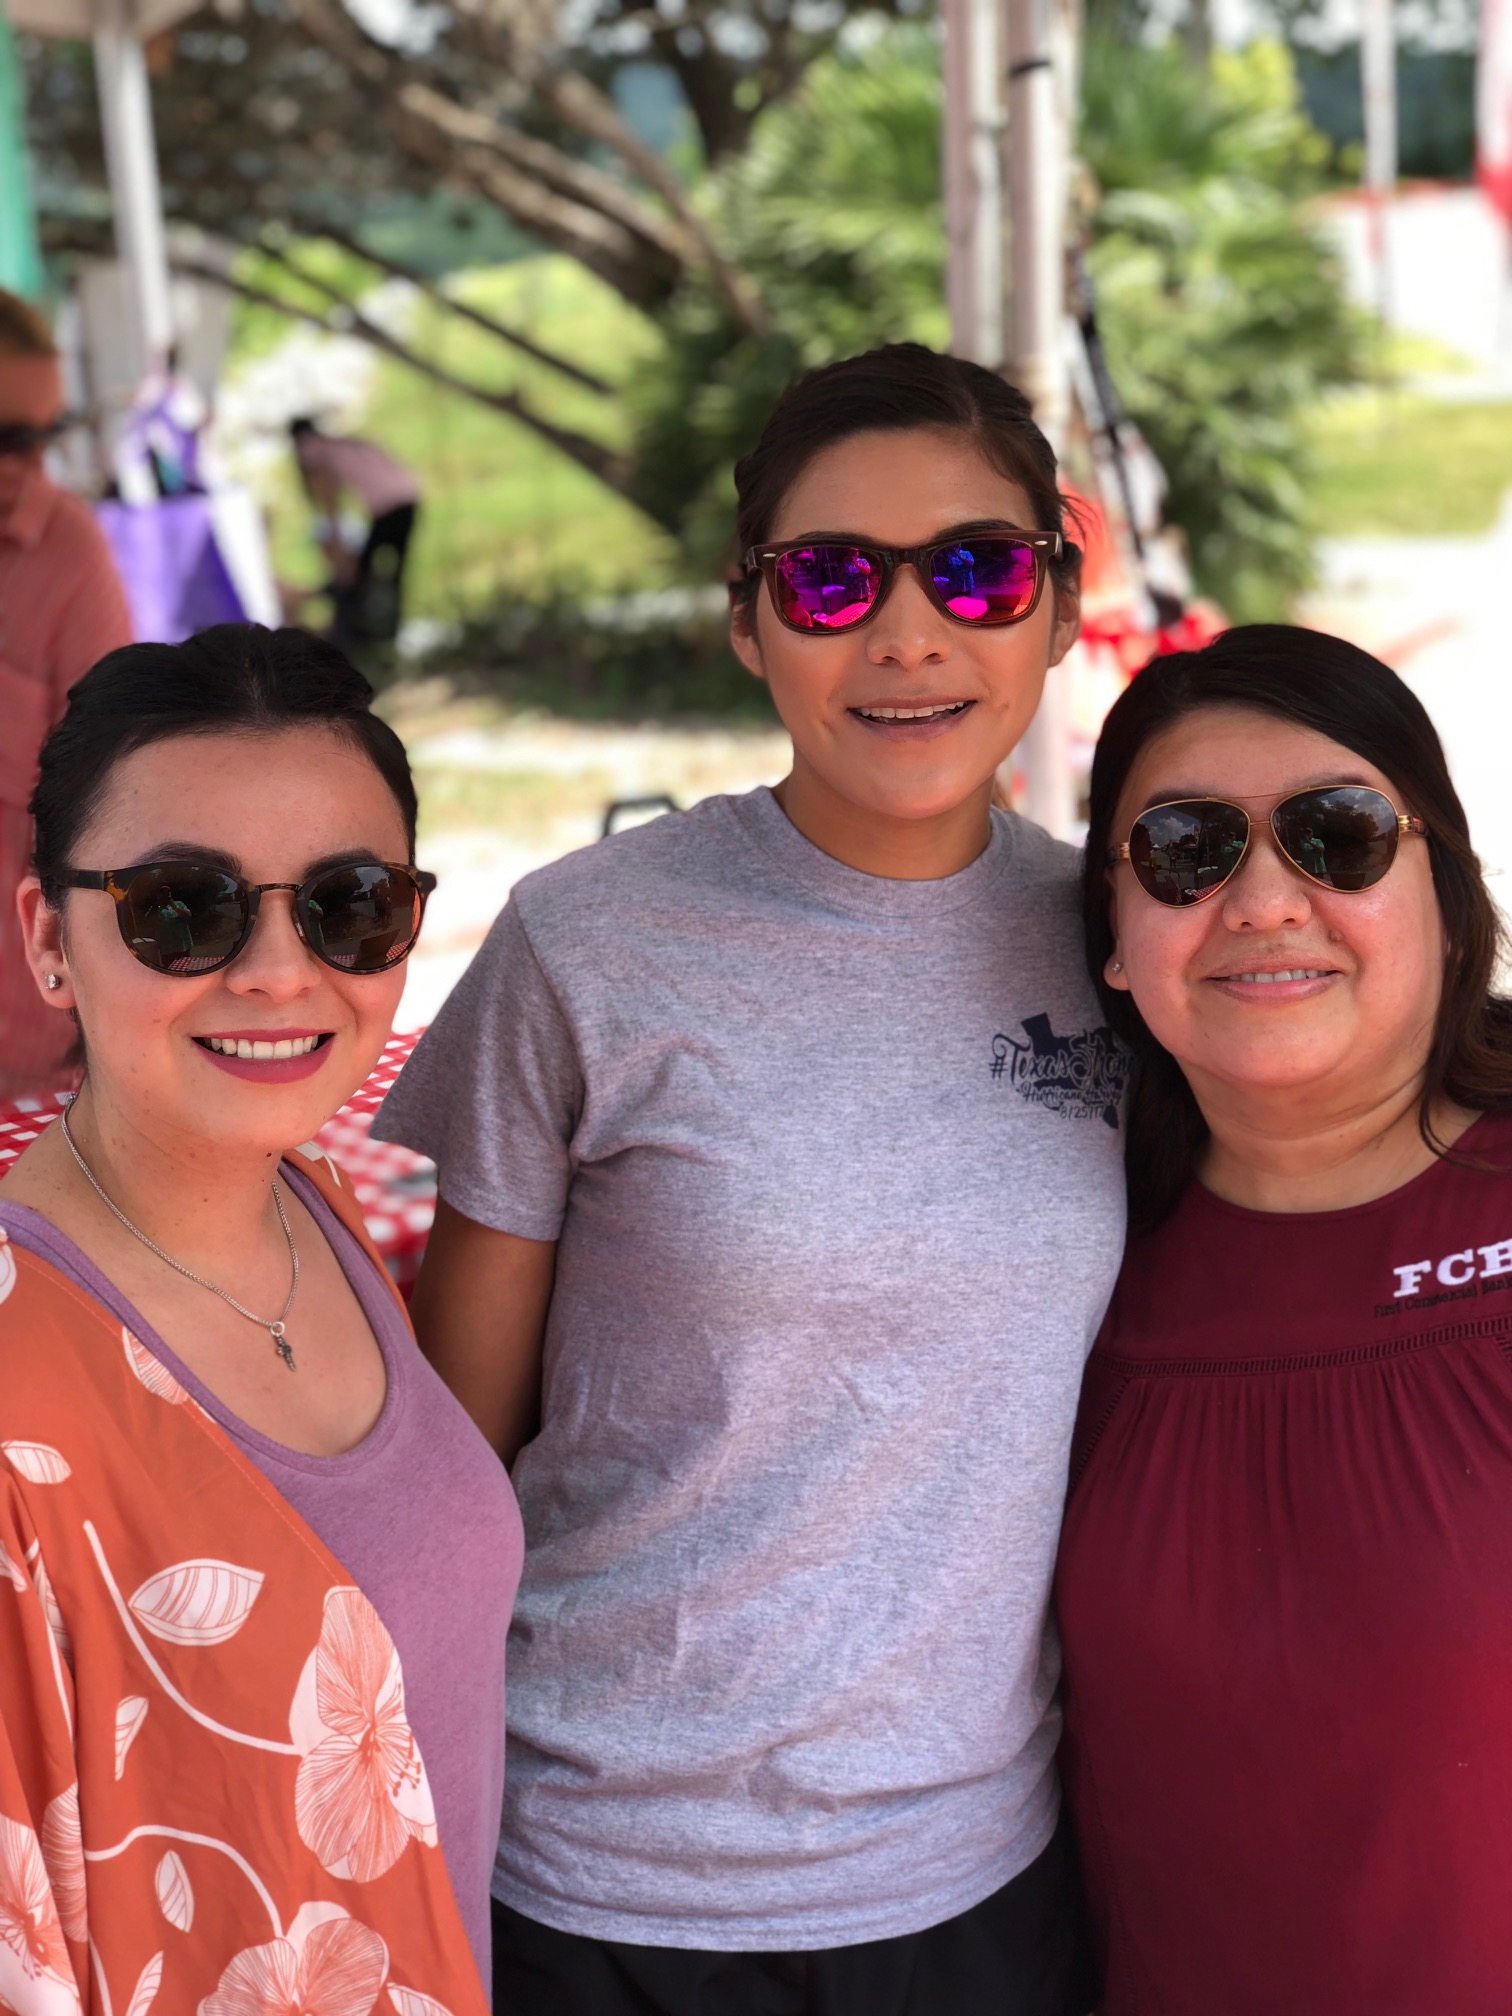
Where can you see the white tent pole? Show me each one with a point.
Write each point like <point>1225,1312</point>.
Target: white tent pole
<point>131,158</point>
<point>1378,87</point>
<point>973,154</point>
<point>1036,175</point>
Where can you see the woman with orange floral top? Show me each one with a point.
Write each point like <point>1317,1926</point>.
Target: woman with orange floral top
<point>256,1565</point>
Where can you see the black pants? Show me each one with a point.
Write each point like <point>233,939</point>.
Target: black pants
<point>367,612</point>
<point>1011,1955</point>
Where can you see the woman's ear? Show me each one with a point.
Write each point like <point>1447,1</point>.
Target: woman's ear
<point>42,940</point>
<point>1113,967</point>
<point>1067,620</point>
<point>743,629</point>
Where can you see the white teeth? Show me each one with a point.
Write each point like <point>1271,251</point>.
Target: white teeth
<point>910,713</point>
<point>262,1052</point>
<point>1286,973</point>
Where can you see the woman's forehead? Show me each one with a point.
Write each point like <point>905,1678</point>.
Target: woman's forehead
<point>1241,752</point>
<point>900,487</point>
<point>304,792</point>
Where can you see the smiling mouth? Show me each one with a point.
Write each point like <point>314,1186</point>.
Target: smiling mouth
<point>262,1053</point>
<point>1270,979</point>
<point>933,713</point>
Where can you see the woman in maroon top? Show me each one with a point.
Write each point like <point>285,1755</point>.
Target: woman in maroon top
<point>1285,1584</point>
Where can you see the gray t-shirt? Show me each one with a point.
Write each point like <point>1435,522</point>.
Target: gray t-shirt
<point>834,1167</point>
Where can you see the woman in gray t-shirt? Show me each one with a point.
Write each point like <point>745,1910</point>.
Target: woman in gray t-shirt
<point>781,1198</point>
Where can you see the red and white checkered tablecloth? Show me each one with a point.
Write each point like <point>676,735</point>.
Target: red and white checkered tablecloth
<point>396,1189</point>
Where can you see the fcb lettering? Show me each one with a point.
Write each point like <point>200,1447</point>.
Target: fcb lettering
<point>1455,1270</point>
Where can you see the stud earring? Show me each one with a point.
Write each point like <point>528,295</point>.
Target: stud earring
<point>53,982</point>
<point>1117,966</point>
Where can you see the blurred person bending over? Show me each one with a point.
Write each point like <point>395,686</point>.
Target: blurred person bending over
<point>61,608</point>
<point>367,586</point>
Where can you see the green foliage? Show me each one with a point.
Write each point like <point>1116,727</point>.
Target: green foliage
<point>1392,463</point>
<point>505,515</point>
<point>1222,311</point>
<point>835,213</point>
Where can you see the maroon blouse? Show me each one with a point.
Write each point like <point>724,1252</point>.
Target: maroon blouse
<point>1285,1597</point>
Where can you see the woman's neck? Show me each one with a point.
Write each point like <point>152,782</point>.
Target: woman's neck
<point>898,850</point>
<point>208,1204</point>
<point>1299,1153</point>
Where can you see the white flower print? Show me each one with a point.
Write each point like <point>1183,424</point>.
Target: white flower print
<point>36,1973</point>
<point>361,1795</point>
<point>327,1965</point>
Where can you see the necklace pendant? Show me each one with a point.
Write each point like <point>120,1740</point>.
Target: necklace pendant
<point>282,1346</point>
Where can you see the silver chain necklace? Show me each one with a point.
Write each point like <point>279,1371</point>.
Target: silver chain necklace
<point>275,1329</point>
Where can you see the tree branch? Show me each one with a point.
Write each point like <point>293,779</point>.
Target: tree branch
<point>611,469</point>
<point>683,236</point>
<point>441,299</point>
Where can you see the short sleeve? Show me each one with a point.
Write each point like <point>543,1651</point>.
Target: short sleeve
<point>493,1091</point>
<point>41,1853</point>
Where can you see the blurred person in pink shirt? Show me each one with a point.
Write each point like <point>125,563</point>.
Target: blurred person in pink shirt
<point>366,587</point>
<point>61,608</point>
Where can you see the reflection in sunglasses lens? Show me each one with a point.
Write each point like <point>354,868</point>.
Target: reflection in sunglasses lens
<point>1344,837</point>
<point>362,918</point>
<point>984,579</point>
<point>182,920</point>
<point>826,587</point>
<point>1180,852</point>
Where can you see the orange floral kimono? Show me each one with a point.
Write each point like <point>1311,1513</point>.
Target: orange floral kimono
<point>211,1803</point>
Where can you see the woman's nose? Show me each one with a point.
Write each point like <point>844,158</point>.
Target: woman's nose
<point>275,959</point>
<point>1268,893</point>
<point>908,629</point>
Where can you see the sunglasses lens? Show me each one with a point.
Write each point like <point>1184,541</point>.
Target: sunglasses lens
<point>1181,853</point>
<point>181,919</point>
<point>362,919</point>
<point>984,580</point>
<point>1344,837</point>
<point>825,587</point>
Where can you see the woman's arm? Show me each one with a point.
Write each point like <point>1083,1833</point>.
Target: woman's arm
<point>480,1314</point>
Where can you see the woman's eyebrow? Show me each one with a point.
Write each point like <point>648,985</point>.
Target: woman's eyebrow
<point>1184,793</point>
<point>345,857</point>
<point>950,532</point>
<point>200,855</point>
<point>191,850</point>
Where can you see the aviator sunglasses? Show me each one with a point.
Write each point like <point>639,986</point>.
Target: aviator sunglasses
<point>1342,836</point>
<point>188,917</point>
<point>980,578</point>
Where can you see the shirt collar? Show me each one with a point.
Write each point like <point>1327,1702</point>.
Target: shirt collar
<point>27,523</point>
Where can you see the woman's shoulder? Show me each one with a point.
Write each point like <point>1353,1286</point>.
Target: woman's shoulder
<point>61,1351</point>
<point>705,843</point>
<point>1039,860</point>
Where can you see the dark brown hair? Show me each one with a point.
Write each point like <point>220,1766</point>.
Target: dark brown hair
<point>1334,689</point>
<point>23,330</point>
<point>236,678</point>
<point>900,386</point>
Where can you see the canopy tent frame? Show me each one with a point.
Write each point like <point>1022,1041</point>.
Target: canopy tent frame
<point>119,29</point>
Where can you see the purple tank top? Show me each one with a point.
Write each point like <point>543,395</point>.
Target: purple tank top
<point>421,1515</point>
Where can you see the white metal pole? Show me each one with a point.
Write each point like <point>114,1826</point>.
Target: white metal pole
<point>131,158</point>
<point>1378,88</point>
<point>1036,173</point>
<point>973,153</point>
